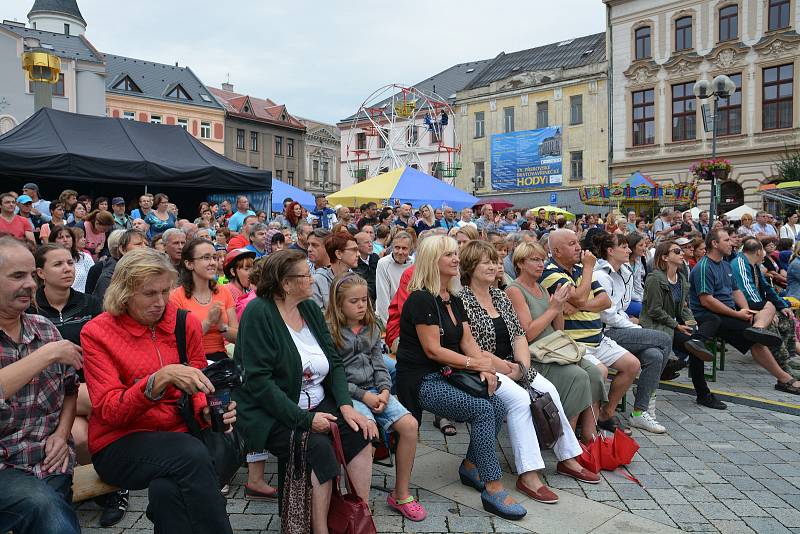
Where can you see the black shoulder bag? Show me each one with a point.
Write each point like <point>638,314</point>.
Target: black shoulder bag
<point>467,381</point>
<point>225,448</point>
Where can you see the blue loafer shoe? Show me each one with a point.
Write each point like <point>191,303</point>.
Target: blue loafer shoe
<point>494,504</point>
<point>470,477</point>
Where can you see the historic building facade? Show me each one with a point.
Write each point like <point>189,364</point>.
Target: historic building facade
<point>323,146</point>
<point>658,50</point>
<point>58,27</point>
<point>263,135</point>
<point>164,94</point>
<point>560,85</point>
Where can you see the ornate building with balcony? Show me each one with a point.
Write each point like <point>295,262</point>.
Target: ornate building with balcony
<point>657,51</point>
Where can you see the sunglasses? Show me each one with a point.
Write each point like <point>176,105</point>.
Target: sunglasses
<point>676,251</point>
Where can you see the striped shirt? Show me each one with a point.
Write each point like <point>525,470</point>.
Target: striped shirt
<point>582,326</point>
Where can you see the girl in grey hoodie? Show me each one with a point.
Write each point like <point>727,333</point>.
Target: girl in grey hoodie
<point>357,337</point>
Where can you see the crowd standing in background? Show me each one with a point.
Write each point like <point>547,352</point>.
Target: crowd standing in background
<point>359,318</point>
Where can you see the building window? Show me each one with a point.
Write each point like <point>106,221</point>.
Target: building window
<point>383,135</point>
<point>278,145</point>
<point>728,23</point>
<point>324,168</point>
<point>479,180</point>
<point>290,177</point>
<point>254,141</point>
<point>642,37</point>
<point>205,130</point>
<point>239,139</point>
<point>684,115</point>
<point>576,109</point>
<point>126,84</point>
<point>290,147</point>
<point>683,34</point>
<point>66,29</point>
<point>730,110</point>
<point>779,14</point>
<point>183,123</point>
<point>508,119</point>
<point>412,135</point>
<point>131,116</point>
<point>155,119</point>
<point>278,174</point>
<point>479,125</point>
<point>777,95</point>
<point>361,141</point>
<point>179,93</point>
<point>541,115</point>
<point>644,122</point>
<point>58,88</point>
<point>315,171</point>
<point>576,165</point>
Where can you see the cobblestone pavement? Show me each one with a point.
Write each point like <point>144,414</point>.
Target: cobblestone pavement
<point>714,471</point>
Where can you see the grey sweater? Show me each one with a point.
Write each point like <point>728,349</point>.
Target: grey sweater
<point>363,362</point>
<point>322,279</point>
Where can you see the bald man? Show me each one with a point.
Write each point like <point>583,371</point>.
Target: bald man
<point>582,321</point>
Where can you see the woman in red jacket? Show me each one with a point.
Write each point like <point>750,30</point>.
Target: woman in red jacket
<point>136,436</point>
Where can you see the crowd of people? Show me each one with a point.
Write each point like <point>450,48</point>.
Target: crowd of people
<point>360,319</point>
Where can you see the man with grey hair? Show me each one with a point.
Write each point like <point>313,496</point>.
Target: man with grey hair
<point>663,227</point>
<point>512,240</point>
<point>142,226</point>
<point>38,399</point>
<point>258,239</point>
<point>762,227</point>
<point>389,270</point>
<point>174,240</point>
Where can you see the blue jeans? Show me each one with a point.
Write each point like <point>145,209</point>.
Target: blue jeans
<point>390,414</point>
<point>29,505</point>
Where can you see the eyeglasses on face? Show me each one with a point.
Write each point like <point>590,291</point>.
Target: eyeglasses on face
<point>206,258</point>
<point>676,251</point>
<point>307,276</point>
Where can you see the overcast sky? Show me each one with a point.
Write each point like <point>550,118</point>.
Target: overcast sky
<point>323,58</point>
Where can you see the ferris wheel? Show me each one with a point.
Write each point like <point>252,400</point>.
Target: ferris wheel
<point>398,126</point>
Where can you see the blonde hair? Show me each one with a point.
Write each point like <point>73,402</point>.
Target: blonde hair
<point>334,314</point>
<point>470,231</point>
<point>134,268</point>
<point>524,251</point>
<point>746,217</point>
<point>426,266</point>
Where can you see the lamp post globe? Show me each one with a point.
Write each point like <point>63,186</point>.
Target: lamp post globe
<point>702,89</point>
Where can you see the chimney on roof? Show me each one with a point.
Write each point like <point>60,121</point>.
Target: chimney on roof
<point>227,86</point>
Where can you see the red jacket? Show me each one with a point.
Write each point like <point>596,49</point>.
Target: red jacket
<point>119,356</point>
<point>396,307</point>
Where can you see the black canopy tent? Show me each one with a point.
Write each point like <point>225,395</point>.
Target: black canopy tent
<point>99,155</point>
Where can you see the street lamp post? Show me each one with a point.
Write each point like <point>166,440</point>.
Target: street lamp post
<point>721,87</point>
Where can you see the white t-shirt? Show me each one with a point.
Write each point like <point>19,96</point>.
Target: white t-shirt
<point>315,367</point>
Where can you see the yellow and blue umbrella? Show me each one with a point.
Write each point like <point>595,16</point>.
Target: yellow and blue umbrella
<point>558,211</point>
<point>405,184</point>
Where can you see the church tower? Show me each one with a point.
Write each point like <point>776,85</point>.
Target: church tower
<point>58,16</point>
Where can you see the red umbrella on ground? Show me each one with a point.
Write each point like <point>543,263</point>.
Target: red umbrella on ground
<point>498,204</point>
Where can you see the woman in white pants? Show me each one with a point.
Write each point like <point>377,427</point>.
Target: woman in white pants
<point>496,328</point>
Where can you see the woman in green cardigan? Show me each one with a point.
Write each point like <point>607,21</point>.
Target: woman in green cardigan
<point>295,381</point>
<point>664,308</point>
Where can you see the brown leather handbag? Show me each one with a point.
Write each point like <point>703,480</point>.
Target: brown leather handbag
<point>546,419</point>
<point>348,513</point>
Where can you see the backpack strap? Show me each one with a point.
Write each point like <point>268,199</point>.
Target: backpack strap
<point>180,335</point>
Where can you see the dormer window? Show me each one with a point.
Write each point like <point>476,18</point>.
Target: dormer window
<point>179,93</point>
<point>246,108</point>
<point>126,84</point>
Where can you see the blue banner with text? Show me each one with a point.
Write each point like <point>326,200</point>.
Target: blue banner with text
<point>526,160</point>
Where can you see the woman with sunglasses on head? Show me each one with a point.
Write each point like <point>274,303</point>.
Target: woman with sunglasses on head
<point>665,309</point>
<point>199,293</point>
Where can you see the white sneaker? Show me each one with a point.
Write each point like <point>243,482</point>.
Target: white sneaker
<point>646,422</point>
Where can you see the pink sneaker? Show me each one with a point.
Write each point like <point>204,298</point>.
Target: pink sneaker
<point>409,507</point>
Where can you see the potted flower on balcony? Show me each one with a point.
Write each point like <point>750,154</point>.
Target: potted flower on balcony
<point>718,168</point>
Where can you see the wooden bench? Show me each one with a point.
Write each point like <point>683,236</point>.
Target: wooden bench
<point>86,484</point>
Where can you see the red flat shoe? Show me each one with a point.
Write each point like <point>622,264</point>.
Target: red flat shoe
<point>544,494</point>
<point>255,495</point>
<point>584,475</point>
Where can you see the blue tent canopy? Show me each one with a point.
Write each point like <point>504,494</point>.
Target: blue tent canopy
<point>281,190</point>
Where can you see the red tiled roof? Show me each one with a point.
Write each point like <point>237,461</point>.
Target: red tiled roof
<point>261,109</point>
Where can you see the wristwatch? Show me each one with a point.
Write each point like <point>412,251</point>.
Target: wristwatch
<point>223,328</point>
<point>148,389</point>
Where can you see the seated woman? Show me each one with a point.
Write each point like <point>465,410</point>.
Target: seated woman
<point>434,333</point>
<point>199,293</point>
<point>137,438</point>
<point>500,336</point>
<point>296,382</point>
<point>638,245</point>
<point>580,385</point>
<point>665,308</point>
<point>793,274</point>
<point>772,269</point>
